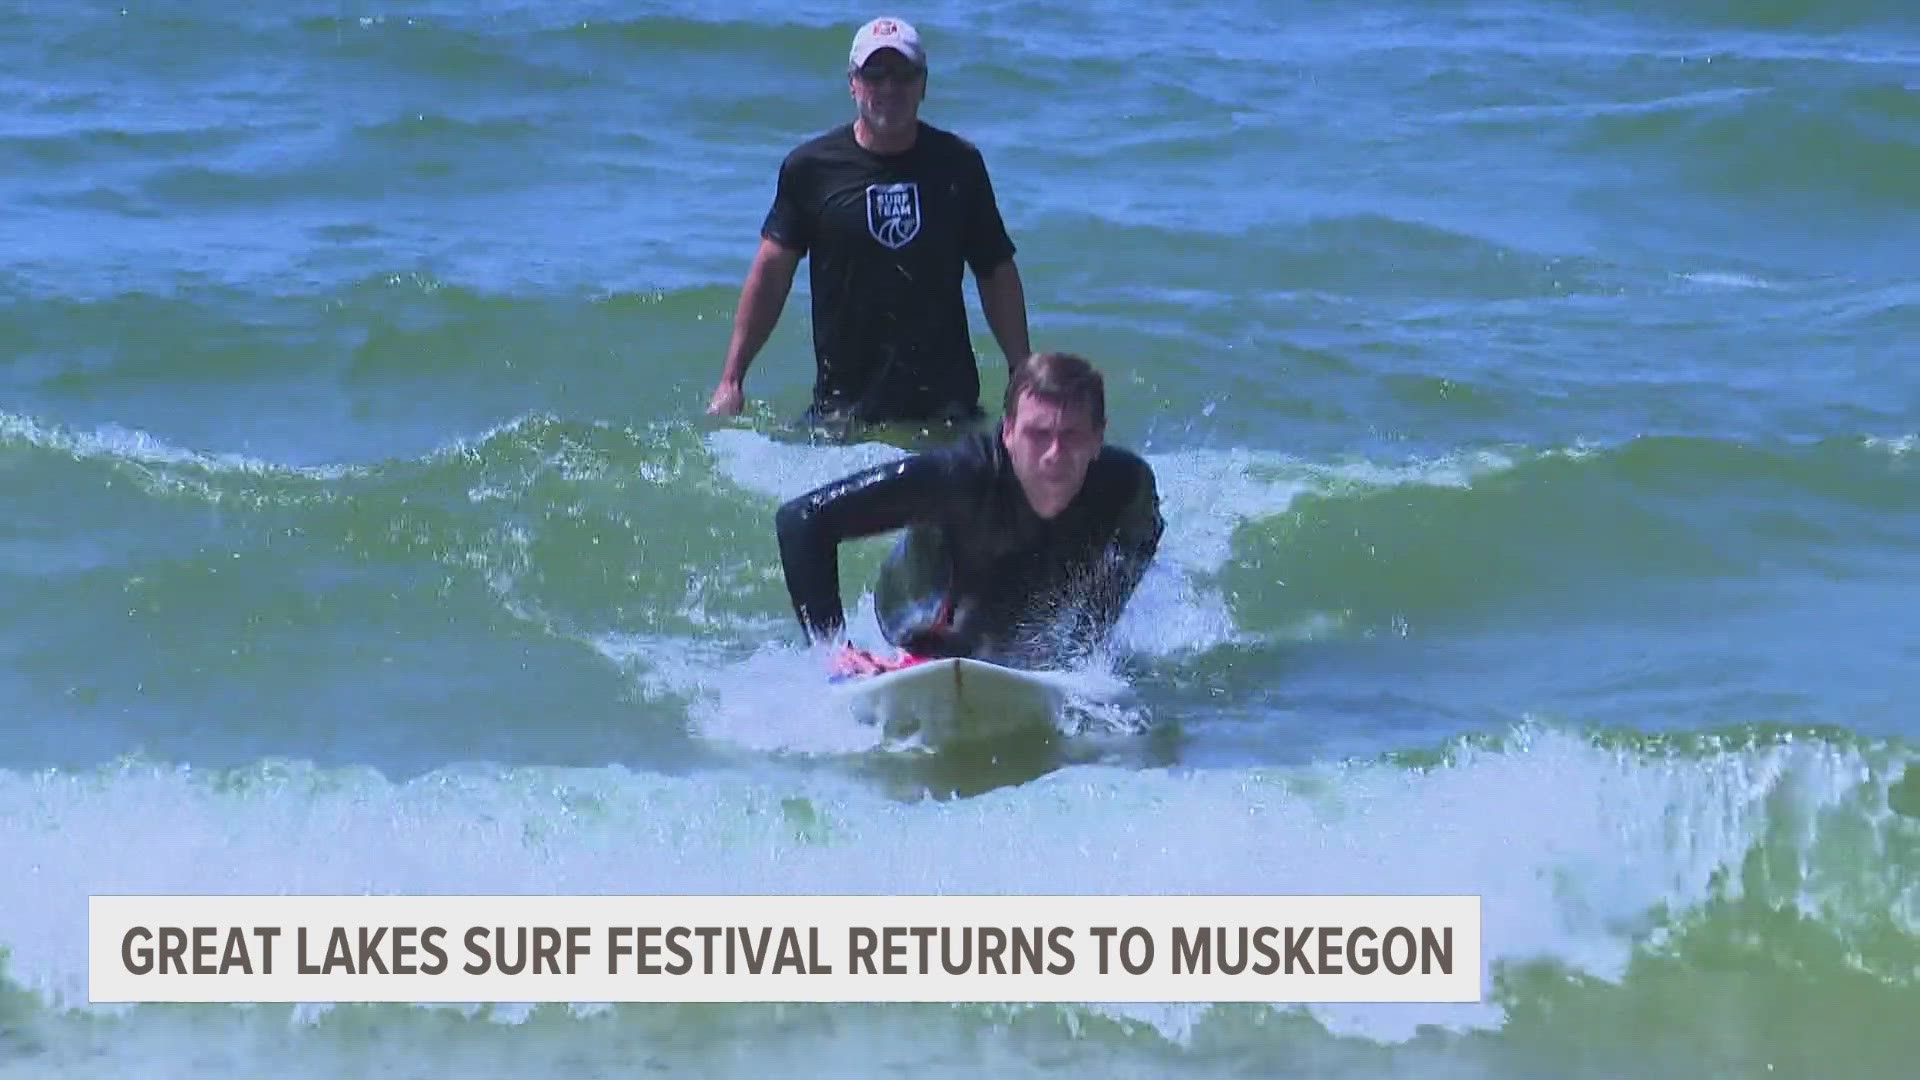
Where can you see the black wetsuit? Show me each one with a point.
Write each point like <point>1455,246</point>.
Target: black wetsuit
<point>977,573</point>
<point>888,238</point>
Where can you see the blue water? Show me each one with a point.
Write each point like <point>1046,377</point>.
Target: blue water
<point>1526,383</point>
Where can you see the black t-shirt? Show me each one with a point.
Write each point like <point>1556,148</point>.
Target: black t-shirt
<point>888,238</point>
<point>976,571</point>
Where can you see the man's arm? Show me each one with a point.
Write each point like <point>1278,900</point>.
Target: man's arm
<point>990,251</point>
<point>1004,300</point>
<point>1135,544</point>
<point>762,298</point>
<point>869,502</point>
<point>786,234</point>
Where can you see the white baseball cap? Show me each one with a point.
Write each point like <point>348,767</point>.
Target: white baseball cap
<point>887,33</point>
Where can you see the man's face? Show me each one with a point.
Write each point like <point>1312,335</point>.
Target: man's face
<point>888,89</point>
<point>1050,447</point>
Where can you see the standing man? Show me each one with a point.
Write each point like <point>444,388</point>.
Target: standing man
<point>891,211</point>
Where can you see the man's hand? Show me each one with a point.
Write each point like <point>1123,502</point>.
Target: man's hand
<point>850,660</point>
<point>727,399</point>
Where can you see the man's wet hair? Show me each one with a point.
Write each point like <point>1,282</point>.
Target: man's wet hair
<point>1065,379</point>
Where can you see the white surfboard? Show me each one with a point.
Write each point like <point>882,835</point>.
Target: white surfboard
<point>956,700</point>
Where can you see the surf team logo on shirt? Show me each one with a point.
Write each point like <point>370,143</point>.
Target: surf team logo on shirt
<point>893,213</point>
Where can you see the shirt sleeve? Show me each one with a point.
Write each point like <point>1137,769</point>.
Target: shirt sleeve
<point>987,244</point>
<point>788,222</point>
<point>875,500</point>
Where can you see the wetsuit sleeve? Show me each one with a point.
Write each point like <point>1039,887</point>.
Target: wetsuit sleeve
<point>1136,541</point>
<point>787,221</point>
<point>869,502</point>
<point>986,244</point>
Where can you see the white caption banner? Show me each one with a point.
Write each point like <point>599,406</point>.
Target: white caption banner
<point>947,948</point>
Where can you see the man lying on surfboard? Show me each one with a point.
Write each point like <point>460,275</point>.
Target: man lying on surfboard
<point>1020,546</point>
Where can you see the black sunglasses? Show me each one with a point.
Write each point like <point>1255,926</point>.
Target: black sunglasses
<point>873,76</point>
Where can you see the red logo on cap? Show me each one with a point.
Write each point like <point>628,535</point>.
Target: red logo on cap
<point>885,28</point>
